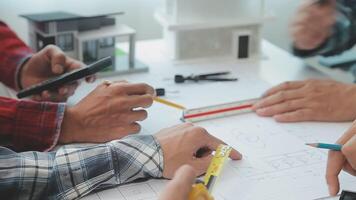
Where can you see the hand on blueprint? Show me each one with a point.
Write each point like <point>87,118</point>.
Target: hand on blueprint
<point>109,112</point>
<point>344,160</point>
<point>46,64</point>
<point>310,100</point>
<point>180,186</point>
<point>313,24</point>
<point>188,144</point>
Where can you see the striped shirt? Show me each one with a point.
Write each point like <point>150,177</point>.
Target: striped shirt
<point>74,171</point>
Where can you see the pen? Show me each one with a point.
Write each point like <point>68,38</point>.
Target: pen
<point>168,103</point>
<point>335,147</point>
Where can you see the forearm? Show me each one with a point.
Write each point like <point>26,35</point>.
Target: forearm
<point>13,53</point>
<point>29,125</point>
<point>343,35</point>
<point>73,171</point>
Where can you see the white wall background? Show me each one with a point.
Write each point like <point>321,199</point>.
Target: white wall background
<point>139,14</point>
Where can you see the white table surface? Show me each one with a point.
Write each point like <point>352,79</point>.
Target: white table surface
<point>275,67</point>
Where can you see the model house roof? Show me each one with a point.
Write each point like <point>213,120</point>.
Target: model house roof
<point>62,16</point>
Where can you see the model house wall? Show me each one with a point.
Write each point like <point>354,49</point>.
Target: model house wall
<point>205,28</point>
<point>203,10</point>
<point>62,29</point>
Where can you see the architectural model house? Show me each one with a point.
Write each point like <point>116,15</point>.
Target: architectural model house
<point>87,38</point>
<point>205,28</point>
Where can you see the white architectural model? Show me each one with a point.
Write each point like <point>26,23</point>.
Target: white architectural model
<point>205,28</point>
<point>87,38</point>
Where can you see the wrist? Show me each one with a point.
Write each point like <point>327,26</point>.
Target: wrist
<point>308,52</point>
<point>70,126</point>
<point>20,72</point>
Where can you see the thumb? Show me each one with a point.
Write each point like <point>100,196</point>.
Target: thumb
<point>181,184</point>
<point>185,174</point>
<point>56,58</point>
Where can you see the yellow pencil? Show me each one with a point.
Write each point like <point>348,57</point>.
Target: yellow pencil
<point>168,103</point>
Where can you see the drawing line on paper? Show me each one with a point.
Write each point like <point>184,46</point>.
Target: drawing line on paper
<point>282,163</point>
<point>254,141</point>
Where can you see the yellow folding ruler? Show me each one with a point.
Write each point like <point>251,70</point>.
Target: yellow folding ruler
<point>218,111</point>
<point>202,191</point>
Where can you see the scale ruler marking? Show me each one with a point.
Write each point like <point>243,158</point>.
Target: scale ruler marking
<point>216,111</point>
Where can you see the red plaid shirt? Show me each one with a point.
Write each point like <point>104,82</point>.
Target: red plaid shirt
<point>24,125</point>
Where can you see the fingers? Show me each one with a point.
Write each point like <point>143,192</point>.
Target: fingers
<point>234,155</point>
<point>132,88</point>
<point>133,128</point>
<point>133,95</point>
<point>185,174</point>
<point>69,89</point>
<point>90,79</point>
<point>51,96</point>
<point>349,169</point>
<point>313,39</point>
<point>295,116</point>
<point>61,95</point>
<point>287,106</point>
<point>138,115</point>
<point>335,164</point>
<point>143,101</point>
<point>181,184</point>
<point>213,143</point>
<point>132,107</point>
<point>337,160</point>
<point>348,135</point>
<point>57,59</point>
<point>278,97</point>
<point>139,89</point>
<point>349,151</point>
<point>73,64</point>
<point>313,23</point>
<point>284,86</point>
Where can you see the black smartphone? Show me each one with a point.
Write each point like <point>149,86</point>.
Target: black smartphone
<point>66,78</point>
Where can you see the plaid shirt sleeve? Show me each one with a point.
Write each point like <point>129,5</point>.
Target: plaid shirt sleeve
<point>13,53</point>
<point>343,36</point>
<point>74,171</point>
<point>29,125</point>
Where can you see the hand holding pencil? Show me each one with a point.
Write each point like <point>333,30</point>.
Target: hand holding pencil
<point>342,160</point>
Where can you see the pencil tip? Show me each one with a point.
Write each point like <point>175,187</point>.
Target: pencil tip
<point>311,144</point>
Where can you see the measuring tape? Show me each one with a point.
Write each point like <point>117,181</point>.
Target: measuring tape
<point>218,111</point>
<point>203,191</point>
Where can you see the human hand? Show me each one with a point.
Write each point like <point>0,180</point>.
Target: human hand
<point>181,184</point>
<point>313,23</point>
<point>109,112</point>
<point>310,100</point>
<point>344,160</point>
<point>188,144</point>
<point>46,64</point>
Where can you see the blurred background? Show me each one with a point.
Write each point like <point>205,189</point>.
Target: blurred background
<point>139,15</point>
